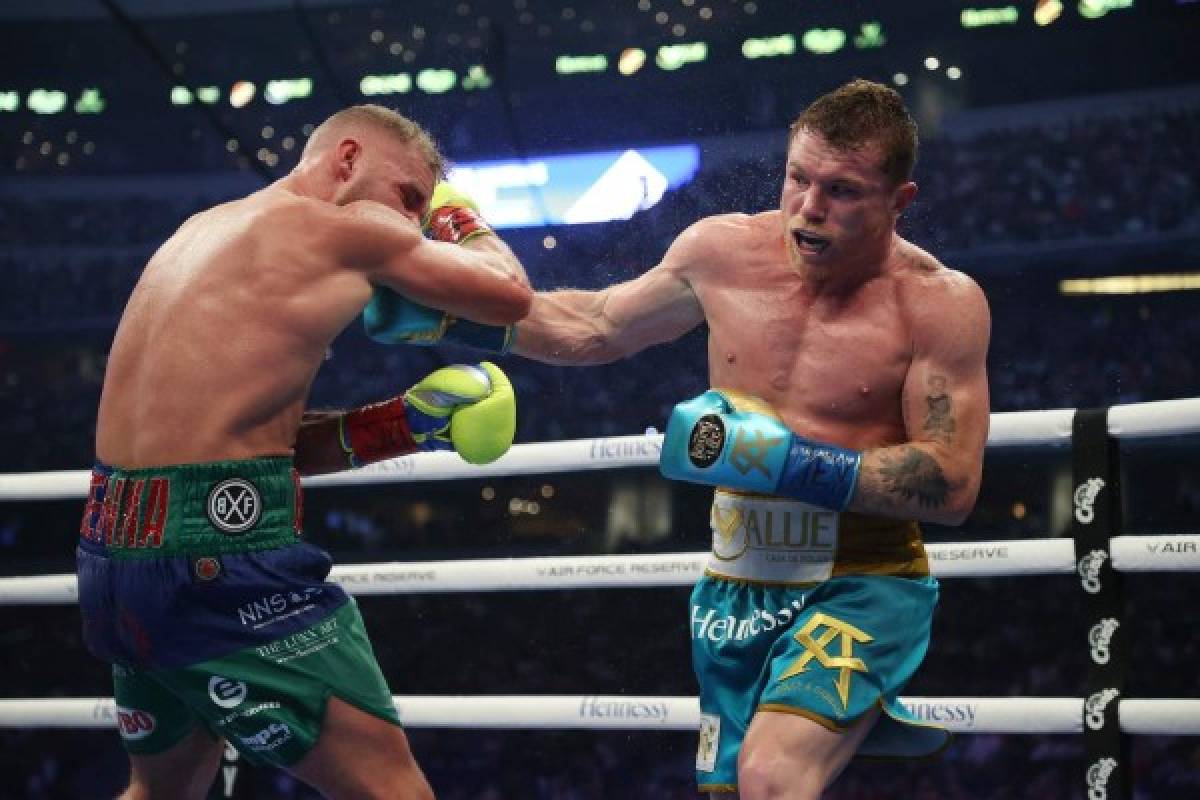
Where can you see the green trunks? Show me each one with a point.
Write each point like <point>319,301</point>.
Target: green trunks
<point>195,585</point>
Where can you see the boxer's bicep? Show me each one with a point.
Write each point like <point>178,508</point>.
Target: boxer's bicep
<point>571,326</point>
<point>595,327</point>
<point>657,307</point>
<point>935,475</point>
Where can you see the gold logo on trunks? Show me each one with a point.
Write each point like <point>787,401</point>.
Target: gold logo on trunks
<point>748,454</point>
<point>844,663</point>
<point>725,522</point>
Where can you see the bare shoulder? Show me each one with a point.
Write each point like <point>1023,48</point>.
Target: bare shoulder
<point>720,227</point>
<point>358,234</point>
<point>939,301</point>
<point>924,280</point>
<point>317,216</point>
<point>709,240</point>
<point>290,210</point>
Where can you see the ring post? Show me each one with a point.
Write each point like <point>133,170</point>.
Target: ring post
<point>1096,518</point>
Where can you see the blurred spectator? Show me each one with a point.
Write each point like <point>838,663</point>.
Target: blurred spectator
<point>73,262</point>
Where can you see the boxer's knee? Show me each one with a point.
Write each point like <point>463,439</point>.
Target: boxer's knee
<point>767,773</point>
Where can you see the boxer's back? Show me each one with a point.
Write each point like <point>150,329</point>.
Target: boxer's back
<point>223,335</point>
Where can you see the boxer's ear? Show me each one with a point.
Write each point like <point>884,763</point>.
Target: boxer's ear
<point>346,157</point>
<point>902,196</point>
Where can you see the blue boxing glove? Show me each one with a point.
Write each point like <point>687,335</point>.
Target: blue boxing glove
<point>725,438</point>
<point>392,318</point>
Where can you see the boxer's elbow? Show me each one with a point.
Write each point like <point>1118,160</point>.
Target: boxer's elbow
<point>508,303</point>
<point>570,328</point>
<point>598,347</point>
<point>960,500</point>
<point>518,300</point>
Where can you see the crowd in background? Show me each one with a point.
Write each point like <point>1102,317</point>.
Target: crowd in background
<point>1039,186</point>
<point>1032,188</point>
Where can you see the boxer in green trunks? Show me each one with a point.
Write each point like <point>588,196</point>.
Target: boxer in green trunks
<point>194,581</point>
<point>868,359</point>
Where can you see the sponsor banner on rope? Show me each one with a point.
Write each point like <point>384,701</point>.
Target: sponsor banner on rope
<point>625,448</point>
<point>351,578</point>
<point>962,716</point>
<point>1001,557</point>
<point>937,552</point>
<point>1155,553</point>
<point>617,708</point>
<point>561,570</point>
<point>401,465</point>
<point>451,576</point>
<point>1184,545</point>
<point>105,710</point>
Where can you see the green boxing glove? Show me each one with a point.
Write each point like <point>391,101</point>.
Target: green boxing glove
<point>471,409</point>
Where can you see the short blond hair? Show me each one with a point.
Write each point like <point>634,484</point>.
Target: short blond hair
<point>389,122</point>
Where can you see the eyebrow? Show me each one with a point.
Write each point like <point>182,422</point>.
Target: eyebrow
<point>794,167</point>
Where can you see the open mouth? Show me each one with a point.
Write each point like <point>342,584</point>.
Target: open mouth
<point>810,243</point>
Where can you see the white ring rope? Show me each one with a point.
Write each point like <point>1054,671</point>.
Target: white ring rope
<point>1162,418</point>
<point>1177,553</point>
<point>1008,715</point>
<point>601,712</point>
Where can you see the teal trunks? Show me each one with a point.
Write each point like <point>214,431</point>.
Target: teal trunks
<point>195,586</point>
<point>808,612</point>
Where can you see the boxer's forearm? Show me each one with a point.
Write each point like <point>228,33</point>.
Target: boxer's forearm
<point>499,256</point>
<point>318,448</point>
<point>566,327</point>
<point>917,480</point>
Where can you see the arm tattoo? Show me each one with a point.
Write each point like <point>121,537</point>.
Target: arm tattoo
<point>939,419</point>
<point>914,475</point>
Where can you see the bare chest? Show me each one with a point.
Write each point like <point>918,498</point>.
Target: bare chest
<point>829,369</point>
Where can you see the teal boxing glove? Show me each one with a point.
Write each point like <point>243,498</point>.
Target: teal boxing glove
<point>725,438</point>
<point>391,318</point>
